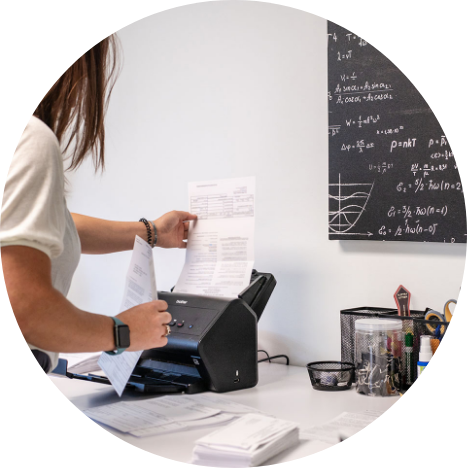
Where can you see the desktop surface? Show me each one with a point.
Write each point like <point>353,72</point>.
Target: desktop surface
<point>283,391</point>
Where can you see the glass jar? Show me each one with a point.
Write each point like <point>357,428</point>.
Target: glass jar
<point>378,356</point>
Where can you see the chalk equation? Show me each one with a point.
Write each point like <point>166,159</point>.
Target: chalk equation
<point>420,185</point>
<point>392,173</point>
<point>407,211</point>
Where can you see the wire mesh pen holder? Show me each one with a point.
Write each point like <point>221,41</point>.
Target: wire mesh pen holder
<point>415,325</point>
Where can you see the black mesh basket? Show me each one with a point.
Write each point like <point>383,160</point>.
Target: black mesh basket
<point>415,324</point>
<point>331,375</point>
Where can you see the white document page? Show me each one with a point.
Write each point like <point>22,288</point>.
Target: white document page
<point>216,402</point>
<point>220,249</point>
<point>179,426</point>
<point>133,416</point>
<point>140,287</point>
<point>345,422</point>
<point>81,363</point>
<point>228,411</point>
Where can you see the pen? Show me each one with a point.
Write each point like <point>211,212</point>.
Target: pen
<point>408,354</point>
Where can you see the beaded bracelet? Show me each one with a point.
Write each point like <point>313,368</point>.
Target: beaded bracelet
<point>148,229</point>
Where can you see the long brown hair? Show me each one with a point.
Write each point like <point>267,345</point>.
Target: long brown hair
<point>75,106</point>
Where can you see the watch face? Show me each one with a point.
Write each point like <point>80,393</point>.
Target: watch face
<point>123,336</point>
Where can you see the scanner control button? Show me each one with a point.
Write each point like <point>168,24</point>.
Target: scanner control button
<point>180,324</point>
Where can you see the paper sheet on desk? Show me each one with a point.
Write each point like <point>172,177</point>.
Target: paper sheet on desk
<point>133,416</point>
<point>228,411</point>
<point>329,432</point>
<point>140,287</point>
<point>214,401</point>
<point>171,413</point>
<point>220,248</point>
<point>179,426</point>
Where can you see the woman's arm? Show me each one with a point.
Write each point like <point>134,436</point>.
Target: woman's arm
<point>50,322</point>
<point>99,236</point>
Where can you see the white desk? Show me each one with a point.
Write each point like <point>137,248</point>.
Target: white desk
<point>283,391</point>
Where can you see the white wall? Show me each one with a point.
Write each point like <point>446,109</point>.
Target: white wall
<point>232,89</point>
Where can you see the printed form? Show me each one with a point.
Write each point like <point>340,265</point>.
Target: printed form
<point>171,413</point>
<point>346,423</point>
<point>140,287</point>
<point>220,249</point>
<point>134,416</point>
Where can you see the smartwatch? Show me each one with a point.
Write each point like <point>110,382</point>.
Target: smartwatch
<point>121,336</point>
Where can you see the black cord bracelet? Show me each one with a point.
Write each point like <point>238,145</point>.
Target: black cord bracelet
<point>148,229</point>
<point>154,233</point>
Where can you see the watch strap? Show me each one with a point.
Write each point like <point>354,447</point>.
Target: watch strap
<point>116,351</point>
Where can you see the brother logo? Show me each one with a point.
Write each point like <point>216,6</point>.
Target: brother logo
<point>181,302</point>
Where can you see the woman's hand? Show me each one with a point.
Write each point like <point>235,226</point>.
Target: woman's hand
<point>148,325</point>
<point>172,229</point>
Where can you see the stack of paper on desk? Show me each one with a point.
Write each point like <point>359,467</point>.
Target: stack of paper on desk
<point>248,441</point>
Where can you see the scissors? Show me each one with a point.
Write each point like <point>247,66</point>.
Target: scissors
<point>434,316</point>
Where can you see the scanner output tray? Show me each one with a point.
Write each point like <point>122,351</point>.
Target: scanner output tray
<point>146,380</point>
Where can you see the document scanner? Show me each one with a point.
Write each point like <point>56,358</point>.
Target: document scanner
<point>213,343</point>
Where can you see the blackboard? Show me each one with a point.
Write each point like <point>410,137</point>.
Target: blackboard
<point>392,173</point>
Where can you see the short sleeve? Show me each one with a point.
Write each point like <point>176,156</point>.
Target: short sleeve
<point>33,207</point>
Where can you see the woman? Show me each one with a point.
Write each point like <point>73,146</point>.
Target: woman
<point>41,240</point>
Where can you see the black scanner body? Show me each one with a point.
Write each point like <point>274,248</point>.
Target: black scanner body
<point>214,338</point>
<point>213,343</point>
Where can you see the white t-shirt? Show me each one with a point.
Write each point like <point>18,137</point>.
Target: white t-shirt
<point>34,211</point>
